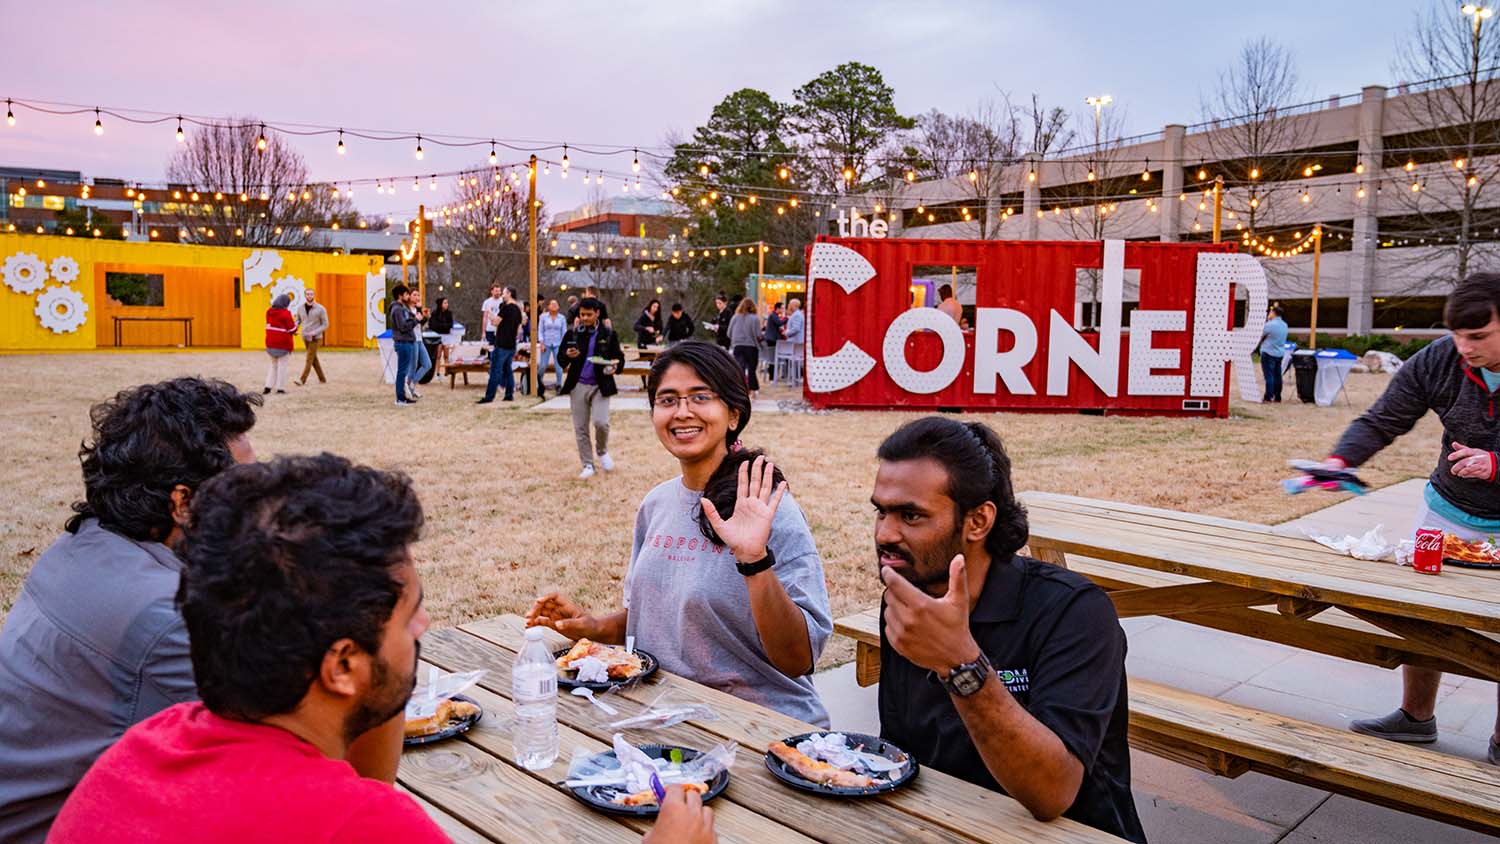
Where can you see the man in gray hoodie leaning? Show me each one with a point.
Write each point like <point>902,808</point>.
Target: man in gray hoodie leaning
<point>1458,378</point>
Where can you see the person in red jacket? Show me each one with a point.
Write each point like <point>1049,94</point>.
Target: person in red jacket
<point>280,327</point>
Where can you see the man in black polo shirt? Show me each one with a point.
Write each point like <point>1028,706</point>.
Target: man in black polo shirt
<point>995,668</point>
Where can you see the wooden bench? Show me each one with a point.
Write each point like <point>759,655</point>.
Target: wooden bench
<point>1228,740</point>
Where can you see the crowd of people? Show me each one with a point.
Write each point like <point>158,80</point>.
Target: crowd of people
<point>216,642</point>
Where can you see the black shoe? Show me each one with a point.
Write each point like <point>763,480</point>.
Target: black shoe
<point>508,398</point>
<point>266,392</point>
<point>484,401</point>
<point>282,392</point>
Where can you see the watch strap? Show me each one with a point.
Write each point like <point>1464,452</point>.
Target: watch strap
<point>980,667</point>
<point>758,566</point>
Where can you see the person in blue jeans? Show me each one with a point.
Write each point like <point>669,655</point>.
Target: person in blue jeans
<point>551,327</point>
<point>422,359</point>
<point>507,329</point>
<point>403,325</point>
<point>1272,352</point>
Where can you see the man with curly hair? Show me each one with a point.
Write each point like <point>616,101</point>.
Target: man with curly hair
<point>93,643</point>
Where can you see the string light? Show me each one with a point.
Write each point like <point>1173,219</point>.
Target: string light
<point>565,162</point>
<point>1202,174</point>
<point>419,152</point>
<point>98,123</point>
<point>260,141</point>
<point>1031,175</point>
<point>1255,172</point>
<point>341,148</point>
<point>10,116</point>
<point>635,165</point>
<point>181,138</point>
<point>1459,163</point>
<point>1410,165</point>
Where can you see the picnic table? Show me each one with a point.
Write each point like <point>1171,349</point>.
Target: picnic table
<point>472,787</point>
<point>1248,579</point>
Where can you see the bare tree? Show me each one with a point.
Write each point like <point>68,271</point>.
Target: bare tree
<point>1049,127</point>
<point>1095,179</point>
<point>1251,133</point>
<point>1451,211</point>
<point>485,234</point>
<point>246,194</point>
<point>974,150</point>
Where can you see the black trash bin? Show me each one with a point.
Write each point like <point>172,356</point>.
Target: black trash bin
<point>432,341</point>
<point>1305,366</point>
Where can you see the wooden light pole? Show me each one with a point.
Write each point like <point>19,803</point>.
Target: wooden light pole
<point>421,253</point>
<point>1218,206</point>
<point>536,309</point>
<point>1312,339</point>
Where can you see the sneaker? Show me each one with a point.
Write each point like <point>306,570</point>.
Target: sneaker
<point>300,383</point>
<point>413,393</point>
<point>1399,726</point>
<point>484,401</point>
<point>281,392</point>
<point>266,391</point>
<point>606,463</point>
<point>588,472</point>
<point>403,403</point>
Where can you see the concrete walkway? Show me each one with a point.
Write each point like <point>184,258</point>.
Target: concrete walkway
<point>1180,804</point>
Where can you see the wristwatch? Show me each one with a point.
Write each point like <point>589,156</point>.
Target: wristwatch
<point>758,566</point>
<point>966,679</point>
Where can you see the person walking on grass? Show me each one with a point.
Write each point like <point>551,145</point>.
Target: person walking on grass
<point>591,382</point>
<point>1273,353</point>
<point>314,320</point>
<point>403,336</point>
<point>1458,378</point>
<point>744,342</point>
<point>507,329</point>
<point>648,325</point>
<point>280,326</point>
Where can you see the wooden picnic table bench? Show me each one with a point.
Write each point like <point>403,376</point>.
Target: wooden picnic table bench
<point>473,788</point>
<point>1248,579</point>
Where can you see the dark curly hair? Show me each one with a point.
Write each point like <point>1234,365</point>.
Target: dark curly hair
<point>978,471</point>
<point>1473,303</point>
<point>722,373</point>
<point>281,560</point>
<point>149,439</point>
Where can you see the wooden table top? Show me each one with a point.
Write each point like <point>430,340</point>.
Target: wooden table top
<point>472,787</point>
<point>1253,556</point>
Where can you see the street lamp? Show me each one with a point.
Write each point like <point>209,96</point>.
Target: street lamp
<point>1099,103</point>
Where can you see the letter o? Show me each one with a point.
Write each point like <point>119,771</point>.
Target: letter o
<point>894,351</point>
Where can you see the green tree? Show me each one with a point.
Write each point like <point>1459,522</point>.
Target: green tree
<point>82,224</point>
<point>734,179</point>
<point>846,115</point>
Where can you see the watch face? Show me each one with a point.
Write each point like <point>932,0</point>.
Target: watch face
<point>968,681</point>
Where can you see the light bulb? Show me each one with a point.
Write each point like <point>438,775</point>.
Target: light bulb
<point>1092,177</point>
<point>260,141</point>
<point>98,123</point>
<point>635,165</point>
<point>10,116</point>
<point>848,174</point>
<point>432,185</point>
<point>1202,174</point>
<point>703,169</point>
<point>341,148</point>
<point>1145,175</point>
<point>494,158</point>
<point>181,138</point>
<point>973,176</point>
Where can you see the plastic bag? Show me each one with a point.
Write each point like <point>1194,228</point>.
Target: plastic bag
<point>631,770</point>
<point>1371,546</point>
<point>834,749</point>
<point>440,686</point>
<point>667,710</point>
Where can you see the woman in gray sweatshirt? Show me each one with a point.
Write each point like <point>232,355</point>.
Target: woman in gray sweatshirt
<point>744,341</point>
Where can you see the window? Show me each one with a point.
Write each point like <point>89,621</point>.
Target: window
<point>134,289</point>
<point>236,292</point>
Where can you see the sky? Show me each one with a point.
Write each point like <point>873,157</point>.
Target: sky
<point>623,74</point>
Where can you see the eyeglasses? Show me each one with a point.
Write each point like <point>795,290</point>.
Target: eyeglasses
<point>699,399</point>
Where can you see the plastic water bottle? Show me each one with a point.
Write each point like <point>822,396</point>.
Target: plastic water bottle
<point>533,685</point>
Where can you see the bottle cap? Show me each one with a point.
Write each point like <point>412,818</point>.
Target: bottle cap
<point>534,634</point>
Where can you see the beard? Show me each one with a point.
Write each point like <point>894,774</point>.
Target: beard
<point>386,698</point>
<point>927,567</point>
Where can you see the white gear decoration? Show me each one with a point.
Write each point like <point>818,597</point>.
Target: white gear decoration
<point>64,269</point>
<point>24,273</point>
<point>291,286</point>
<point>61,309</point>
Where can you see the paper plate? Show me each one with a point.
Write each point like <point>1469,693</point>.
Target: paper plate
<point>462,725</point>
<point>602,797</point>
<point>649,664</point>
<point>870,744</point>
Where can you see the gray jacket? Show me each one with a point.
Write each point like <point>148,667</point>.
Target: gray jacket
<point>93,645</point>
<point>744,330</point>
<point>402,322</point>
<point>314,320</point>
<point>1435,379</point>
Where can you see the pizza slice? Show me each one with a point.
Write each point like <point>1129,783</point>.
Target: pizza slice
<point>816,770</point>
<point>648,797</point>
<point>1462,551</point>
<point>620,663</point>
<point>447,712</point>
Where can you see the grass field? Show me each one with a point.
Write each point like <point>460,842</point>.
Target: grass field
<point>507,517</point>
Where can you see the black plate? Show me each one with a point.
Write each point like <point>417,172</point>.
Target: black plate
<point>649,664</point>
<point>871,744</point>
<point>461,726</point>
<point>602,797</point>
<point>1464,564</point>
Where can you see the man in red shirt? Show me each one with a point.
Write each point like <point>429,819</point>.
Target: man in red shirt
<point>303,610</point>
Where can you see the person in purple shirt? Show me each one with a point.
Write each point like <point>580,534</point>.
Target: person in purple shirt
<point>589,385</point>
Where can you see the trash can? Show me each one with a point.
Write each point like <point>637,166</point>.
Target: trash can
<point>432,340</point>
<point>1305,367</point>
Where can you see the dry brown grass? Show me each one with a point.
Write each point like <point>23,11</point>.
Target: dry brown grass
<point>507,518</point>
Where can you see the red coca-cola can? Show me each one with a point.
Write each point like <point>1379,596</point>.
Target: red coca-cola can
<point>1427,555</point>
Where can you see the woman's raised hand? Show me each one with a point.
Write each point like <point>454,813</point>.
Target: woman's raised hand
<point>749,529</point>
